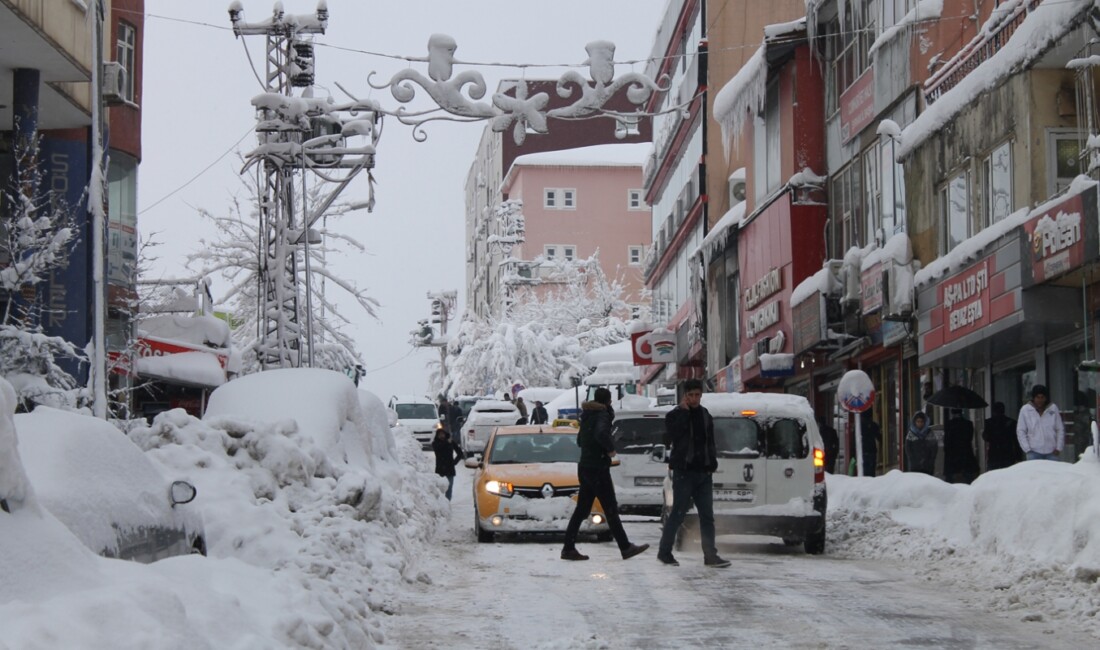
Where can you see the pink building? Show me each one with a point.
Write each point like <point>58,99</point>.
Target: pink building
<point>577,202</point>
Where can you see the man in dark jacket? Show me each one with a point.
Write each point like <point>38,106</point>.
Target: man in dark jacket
<point>450,415</point>
<point>960,465</point>
<point>870,436</point>
<point>1002,448</point>
<point>447,455</point>
<point>538,414</point>
<point>594,474</point>
<point>692,459</point>
<point>832,443</point>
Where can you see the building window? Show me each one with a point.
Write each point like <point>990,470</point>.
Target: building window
<point>847,210</point>
<point>569,252</point>
<point>124,54</point>
<point>767,145</point>
<point>1063,159</point>
<point>872,196</point>
<point>894,10</point>
<point>569,199</point>
<point>550,199</point>
<point>559,199</point>
<point>954,207</point>
<point>550,252</point>
<point>634,200</point>
<point>635,255</point>
<point>996,185</point>
<point>853,41</point>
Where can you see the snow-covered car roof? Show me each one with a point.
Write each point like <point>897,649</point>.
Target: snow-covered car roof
<point>484,405</point>
<point>639,412</point>
<point>411,399</point>
<point>765,404</point>
<point>95,480</point>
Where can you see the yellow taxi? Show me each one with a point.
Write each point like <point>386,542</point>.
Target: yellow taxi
<point>526,482</point>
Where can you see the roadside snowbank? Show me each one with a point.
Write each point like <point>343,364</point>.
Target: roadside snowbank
<point>1023,539</point>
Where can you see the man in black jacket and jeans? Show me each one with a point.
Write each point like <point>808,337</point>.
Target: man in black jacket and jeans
<point>594,474</point>
<point>693,459</point>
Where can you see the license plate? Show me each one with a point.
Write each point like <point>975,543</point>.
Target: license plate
<point>642,481</point>
<point>733,495</point>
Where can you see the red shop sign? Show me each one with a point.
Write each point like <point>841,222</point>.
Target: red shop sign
<point>964,299</point>
<point>1056,242</point>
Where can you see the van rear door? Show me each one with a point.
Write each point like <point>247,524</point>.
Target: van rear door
<point>790,465</point>
<point>740,480</point>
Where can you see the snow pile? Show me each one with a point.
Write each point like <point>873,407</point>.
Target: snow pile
<point>826,282</point>
<point>196,330</point>
<point>1026,537</point>
<point>196,368</point>
<point>15,489</point>
<point>311,528</point>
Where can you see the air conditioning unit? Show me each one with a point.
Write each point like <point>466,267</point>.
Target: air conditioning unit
<point>737,187</point>
<point>114,83</point>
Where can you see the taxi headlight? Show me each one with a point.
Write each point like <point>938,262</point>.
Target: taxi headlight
<point>499,488</point>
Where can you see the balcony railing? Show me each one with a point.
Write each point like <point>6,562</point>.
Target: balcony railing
<point>983,46</point>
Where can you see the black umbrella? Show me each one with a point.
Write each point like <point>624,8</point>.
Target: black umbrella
<point>958,397</point>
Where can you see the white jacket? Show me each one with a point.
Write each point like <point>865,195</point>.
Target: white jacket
<point>1043,433</point>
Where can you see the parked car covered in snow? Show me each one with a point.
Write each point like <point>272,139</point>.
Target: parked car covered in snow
<point>486,415</point>
<point>105,489</point>
<point>526,482</point>
<point>419,415</point>
<point>771,469</point>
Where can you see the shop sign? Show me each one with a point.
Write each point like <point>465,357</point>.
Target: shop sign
<point>762,319</point>
<point>755,293</point>
<point>857,106</point>
<point>149,347</point>
<point>733,382</point>
<point>750,358</point>
<point>1055,239</point>
<point>964,299</point>
<point>807,317</point>
<point>871,285</point>
<point>641,349</point>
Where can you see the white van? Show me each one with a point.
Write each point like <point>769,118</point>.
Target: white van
<point>771,469</point>
<point>639,476</point>
<point>486,415</point>
<point>418,414</point>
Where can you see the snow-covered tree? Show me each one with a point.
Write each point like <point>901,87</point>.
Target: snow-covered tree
<point>234,255</point>
<point>553,319</point>
<point>36,237</point>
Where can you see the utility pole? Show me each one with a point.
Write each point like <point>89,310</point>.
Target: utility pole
<point>296,134</point>
<point>443,307</point>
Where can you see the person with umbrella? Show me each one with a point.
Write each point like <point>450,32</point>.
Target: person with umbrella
<point>960,465</point>
<point>1039,427</point>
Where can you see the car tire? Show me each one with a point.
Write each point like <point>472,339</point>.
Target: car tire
<point>483,536</point>
<point>815,542</point>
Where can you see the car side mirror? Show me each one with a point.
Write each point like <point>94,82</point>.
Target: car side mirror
<point>473,463</point>
<point>657,454</point>
<point>181,492</point>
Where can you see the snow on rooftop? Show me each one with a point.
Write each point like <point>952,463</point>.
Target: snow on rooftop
<point>779,30</point>
<point>897,249</point>
<point>630,154</point>
<point>716,237</point>
<point>824,281</point>
<point>969,249</point>
<point>621,351</point>
<point>1042,27</point>
<point>196,330</point>
<point>742,95</point>
<point>194,368</point>
<point>613,372</point>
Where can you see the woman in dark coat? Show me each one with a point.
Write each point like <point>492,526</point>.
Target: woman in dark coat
<point>921,445</point>
<point>447,455</point>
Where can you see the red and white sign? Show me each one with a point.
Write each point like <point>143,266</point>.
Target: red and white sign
<point>1056,242</point>
<point>871,284</point>
<point>857,106</point>
<point>964,299</point>
<point>639,346</point>
<point>653,346</point>
<point>151,347</point>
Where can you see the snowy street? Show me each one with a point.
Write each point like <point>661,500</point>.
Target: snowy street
<point>519,594</point>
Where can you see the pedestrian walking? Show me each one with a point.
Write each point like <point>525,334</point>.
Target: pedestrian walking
<point>693,459</point>
<point>450,415</point>
<point>960,464</point>
<point>870,435</point>
<point>832,443</point>
<point>921,445</point>
<point>538,414</point>
<point>1039,427</point>
<point>522,407</point>
<point>447,455</point>
<point>1002,447</point>
<point>594,474</point>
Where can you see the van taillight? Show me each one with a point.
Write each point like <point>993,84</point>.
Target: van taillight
<point>819,465</point>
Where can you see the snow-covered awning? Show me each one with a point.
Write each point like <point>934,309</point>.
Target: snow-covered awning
<point>196,330</point>
<point>201,369</point>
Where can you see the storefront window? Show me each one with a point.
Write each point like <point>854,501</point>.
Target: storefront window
<point>1074,392</point>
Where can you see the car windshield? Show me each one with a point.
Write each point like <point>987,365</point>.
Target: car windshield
<point>416,411</point>
<point>736,437</point>
<point>534,448</point>
<point>637,435</point>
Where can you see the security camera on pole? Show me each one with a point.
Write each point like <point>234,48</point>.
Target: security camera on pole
<point>856,394</point>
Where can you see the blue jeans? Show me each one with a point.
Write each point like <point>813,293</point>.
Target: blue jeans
<point>1034,455</point>
<point>689,486</point>
<point>450,486</point>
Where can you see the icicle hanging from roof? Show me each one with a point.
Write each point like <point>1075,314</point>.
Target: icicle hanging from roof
<point>744,93</point>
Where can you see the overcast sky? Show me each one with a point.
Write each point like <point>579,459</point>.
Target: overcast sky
<point>197,87</point>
